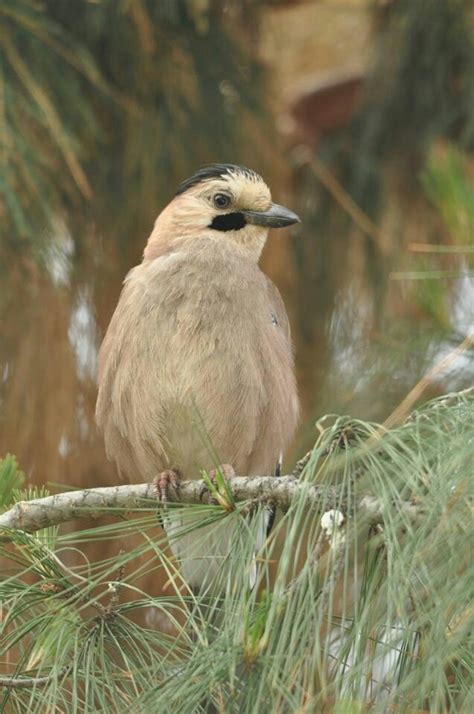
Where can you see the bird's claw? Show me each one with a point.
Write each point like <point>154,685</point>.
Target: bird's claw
<point>163,481</point>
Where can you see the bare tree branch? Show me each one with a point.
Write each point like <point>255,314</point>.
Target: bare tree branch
<point>95,502</point>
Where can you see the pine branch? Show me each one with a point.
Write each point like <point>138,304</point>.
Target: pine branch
<point>23,682</point>
<point>95,502</point>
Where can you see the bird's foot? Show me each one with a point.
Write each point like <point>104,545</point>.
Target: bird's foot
<point>163,481</point>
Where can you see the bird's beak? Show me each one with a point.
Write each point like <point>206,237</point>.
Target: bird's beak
<point>276,217</point>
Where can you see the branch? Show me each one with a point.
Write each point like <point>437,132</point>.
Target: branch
<point>95,502</point>
<point>21,682</point>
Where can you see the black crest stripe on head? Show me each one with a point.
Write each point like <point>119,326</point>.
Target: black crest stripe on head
<point>214,171</point>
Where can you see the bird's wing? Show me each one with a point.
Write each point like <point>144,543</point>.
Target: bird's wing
<point>278,307</point>
<point>133,356</point>
<point>279,310</point>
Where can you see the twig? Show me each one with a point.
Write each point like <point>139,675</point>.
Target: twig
<point>431,248</point>
<point>115,587</point>
<point>41,513</point>
<point>19,682</point>
<point>301,464</point>
<point>340,195</point>
<point>405,407</point>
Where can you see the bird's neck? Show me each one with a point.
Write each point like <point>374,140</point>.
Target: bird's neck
<point>162,237</point>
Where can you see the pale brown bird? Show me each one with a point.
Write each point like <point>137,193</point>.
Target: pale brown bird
<point>200,339</point>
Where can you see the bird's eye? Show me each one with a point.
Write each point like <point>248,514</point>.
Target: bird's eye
<point>221,200</point>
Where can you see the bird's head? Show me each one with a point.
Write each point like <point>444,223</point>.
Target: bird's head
<point>221,200</point>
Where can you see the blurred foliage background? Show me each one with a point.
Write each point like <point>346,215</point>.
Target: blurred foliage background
<point>360,115</point>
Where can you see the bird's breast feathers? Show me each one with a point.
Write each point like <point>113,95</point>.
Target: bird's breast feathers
<point>203,330</point>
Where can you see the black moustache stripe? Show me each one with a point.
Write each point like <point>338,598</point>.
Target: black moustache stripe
<point>229,222</point>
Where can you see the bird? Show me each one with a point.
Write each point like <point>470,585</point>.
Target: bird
<point>201,334</point>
